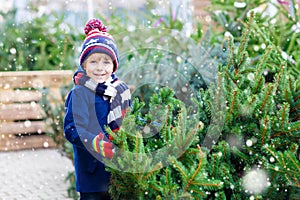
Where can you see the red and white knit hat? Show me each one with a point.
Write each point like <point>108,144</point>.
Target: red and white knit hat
<point>98,41</point>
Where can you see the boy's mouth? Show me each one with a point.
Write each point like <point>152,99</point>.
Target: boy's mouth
<point>99,75</point>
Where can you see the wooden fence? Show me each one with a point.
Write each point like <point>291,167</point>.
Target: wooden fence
<point>22,119</point>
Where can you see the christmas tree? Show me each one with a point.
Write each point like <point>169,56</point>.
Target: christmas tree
<point>260,126</point>
<point>148,167</point>
<point>170,152</point>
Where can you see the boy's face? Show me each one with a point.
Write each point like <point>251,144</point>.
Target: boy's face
<point>99,67</point>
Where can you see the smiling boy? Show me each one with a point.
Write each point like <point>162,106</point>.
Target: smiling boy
<point>97,101</point>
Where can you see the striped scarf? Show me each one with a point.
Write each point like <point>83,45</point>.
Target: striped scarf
<point>119,105</point>
<point>120,101</point>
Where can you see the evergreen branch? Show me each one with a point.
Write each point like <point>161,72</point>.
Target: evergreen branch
<point>218,93</point>
<point>191,135</point>
<point>283,116</point>
<point>280,75</point>
<point>273,176</point>
<point>243,45</point>
<point>292,172</point>
<point>154,169</point>
<point>200,193</point>
<point>146,164</point>
<point>170,187</point>
<point>225,149</point>
<point>295,163</point>
<point>167,176</point>
<point>274,155</point>
<point>250,103</point>
<point>207,184</point>
<point>240,63</point>
<point>154,188</point>
<point>263,60</point>
<point>296,182</point>
<point>214,161</point>
<point>285,132</point>
<point>179,133</point>
<point>231,77</point>
<point>255,90</point>
<point>239,153</point>
<point>264,37</point>
<point>167,124</point>
<point>191,152</point>
<point>295,118</point>
<point>296,107</point>
<point>266,120</point>
<point>137,145</point>
<point>277,170</point>
<point>246,71</point>
<point>232,106</point>
<point>297,97</point>
<point>176,164</point>
<point>266,97</point>
<point>197,170</point>
<point>261,34</point>
<point>113,182</point>
<point>231,47</point>
<point>287,97</point>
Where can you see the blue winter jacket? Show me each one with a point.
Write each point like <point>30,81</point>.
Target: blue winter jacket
<point>86,116</point>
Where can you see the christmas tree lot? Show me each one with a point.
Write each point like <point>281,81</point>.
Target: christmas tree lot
<point>241,143</point>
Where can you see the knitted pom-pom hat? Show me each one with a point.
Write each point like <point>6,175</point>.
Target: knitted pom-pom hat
<point>98,41</point>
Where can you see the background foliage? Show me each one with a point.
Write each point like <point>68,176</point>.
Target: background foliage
<point>44,43</point>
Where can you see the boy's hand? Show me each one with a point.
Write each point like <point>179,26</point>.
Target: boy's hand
<point>102,147</point>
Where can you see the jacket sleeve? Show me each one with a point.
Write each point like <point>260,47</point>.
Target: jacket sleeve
<point>76,118</point>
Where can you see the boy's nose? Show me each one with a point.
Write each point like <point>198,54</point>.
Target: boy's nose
<point>100,66</point>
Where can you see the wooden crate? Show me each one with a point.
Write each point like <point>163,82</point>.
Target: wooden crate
<point>22,119</point>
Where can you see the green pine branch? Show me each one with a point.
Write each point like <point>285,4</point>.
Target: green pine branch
<point>194,178</point>
<point>286,166</point>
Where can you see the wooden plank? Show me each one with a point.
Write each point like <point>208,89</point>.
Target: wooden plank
<point>15,96</point>
<point>10,112</point>
<point>26,127</point>
<point>35,79</point>
<point>19,96</point>
<point>27,142</point>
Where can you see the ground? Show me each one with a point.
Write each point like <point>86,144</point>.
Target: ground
<point>34,174</point>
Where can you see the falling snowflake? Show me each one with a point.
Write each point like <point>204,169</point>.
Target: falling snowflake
<point>249,143</point>
<point>27,123</point>
<point>255,181</point>
<point>13,51</point>
<point>240,4</point>
<point>46,144</point>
